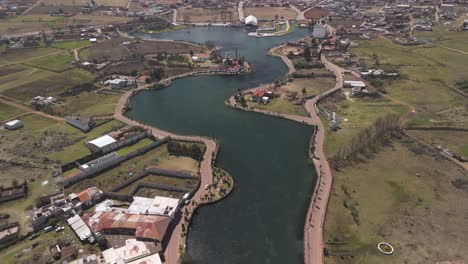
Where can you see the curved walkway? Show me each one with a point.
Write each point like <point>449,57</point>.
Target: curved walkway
<point>206,170</point>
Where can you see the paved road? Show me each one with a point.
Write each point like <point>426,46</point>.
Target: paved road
<point>314,226</point>
<point>240,10</point>
<point>285,59</point>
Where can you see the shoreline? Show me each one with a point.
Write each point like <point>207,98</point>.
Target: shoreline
<point>175,249</point>
<point>316,212</point>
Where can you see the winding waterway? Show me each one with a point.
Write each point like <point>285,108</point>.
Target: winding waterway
<point>262,221</point>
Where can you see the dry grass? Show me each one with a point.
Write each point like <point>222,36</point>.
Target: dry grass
<point>410,199</point>
<point>205,15</point>
<point>120,3</point>
<point>269,13</point>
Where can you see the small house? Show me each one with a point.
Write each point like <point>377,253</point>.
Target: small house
<point>15,124</point>
<point>100,143</point>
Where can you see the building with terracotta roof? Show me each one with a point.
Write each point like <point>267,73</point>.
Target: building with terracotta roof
<point>142,227</point>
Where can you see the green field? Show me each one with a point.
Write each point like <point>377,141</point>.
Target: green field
<point>156,157</point>
<point>403,196</point>
<point>32,82</point>
<point>280,105</point>
<point>78,149</point>
<point>70,45</point>
<point>129,149</point>
<point>57,63</point>
<point>7,112</point>
<point>88,103</point>
<point>158,179</point>
<point>355,115</point>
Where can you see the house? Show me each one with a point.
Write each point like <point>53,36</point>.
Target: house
<point>83,123</point>
<point>40,101</point>
<point>159,205</point>
<point>93,40</point>
<point>14,124</point>
<point>201,57</point>
<point>352,84</point>
<point>99,144</point>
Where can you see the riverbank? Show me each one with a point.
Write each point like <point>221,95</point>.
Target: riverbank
<point>315,218</point>
<point>175,249</point>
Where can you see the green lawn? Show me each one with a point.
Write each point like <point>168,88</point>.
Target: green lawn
<point>7,112</point>
<point>88,103</point>
<point>70,45</point>
<point>129,149</point>
<point>279,105</point>
<point>56,63</point>
<point>18,55</point>
<point>155,157</point>
<point>355,115</point>
<point>78,149</point>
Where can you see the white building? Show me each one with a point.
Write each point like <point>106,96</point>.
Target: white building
<point>164,206</point>
<point>80,228</point>
<point>12,125</point>
<point>100,143</point>
<point>251,21</point>
<point>320,31</point>
<point>133,252</point>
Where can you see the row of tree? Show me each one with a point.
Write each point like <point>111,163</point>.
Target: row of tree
<point>194,150</point>
<point>377,133</point>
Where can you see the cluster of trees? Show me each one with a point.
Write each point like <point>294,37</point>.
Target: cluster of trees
<point>157,74</point>
<point>303,75</point>
<point>377,133</point>
<point>307,65</point>
<point>194,150</point>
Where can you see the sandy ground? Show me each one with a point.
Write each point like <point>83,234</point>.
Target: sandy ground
<point>269,13</point>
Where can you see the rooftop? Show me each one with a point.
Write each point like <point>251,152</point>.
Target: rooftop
<point>102,141</point>
<point>158,206</point>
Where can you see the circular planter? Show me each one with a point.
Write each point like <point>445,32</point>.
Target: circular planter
<point>385,248</point>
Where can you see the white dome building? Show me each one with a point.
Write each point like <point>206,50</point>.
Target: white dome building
<point>251,21</point>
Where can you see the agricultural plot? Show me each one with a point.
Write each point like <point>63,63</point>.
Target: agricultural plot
<point>55,63</point>
<point>270,13</point>
<point>191,15</point>
<point>7,112</point>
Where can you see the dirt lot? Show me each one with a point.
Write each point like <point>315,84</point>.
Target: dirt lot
<point>81,3</point>
<point>109,50</point>
<point>204,15</point>
<point>404,195</point>
<point>170,47</point>
<point>316,13</point>
<point>158,179</point>
<point>38,20</point>
<point>269,13</point>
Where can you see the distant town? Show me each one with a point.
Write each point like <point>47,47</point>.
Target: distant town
<point>87,175</point>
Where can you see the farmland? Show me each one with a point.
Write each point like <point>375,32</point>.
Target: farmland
<point>269,13</point>
<point>188,15</point>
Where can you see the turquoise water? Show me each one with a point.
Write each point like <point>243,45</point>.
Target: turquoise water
<point>262,220</point>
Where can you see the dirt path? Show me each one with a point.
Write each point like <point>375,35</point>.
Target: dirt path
<point>33,6</point>
<point>11,102</point>
<point>285,59</point>
<point>38,57</point>
<point>240,10</point>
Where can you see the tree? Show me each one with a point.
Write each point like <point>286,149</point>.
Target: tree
<point>304,91</point>
<point>307,53</point>
<point>191,53</point>
<point>290,54</point>
<point>294,95</point>
<point>14,182</point>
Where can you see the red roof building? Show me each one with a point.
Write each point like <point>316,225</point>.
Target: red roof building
<point>145,227</point>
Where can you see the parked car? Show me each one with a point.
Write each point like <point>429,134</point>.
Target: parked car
<point>59,229</point>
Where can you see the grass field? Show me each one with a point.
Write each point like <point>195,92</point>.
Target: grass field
<point>12,56</point>
<point>7,112</point>
<point>43,21</point>
<point>56,63</point>
<point>32,82</point>
<point>88,103</point>
<point>206,15</point>
<point>402,196</point>
<point>269,13</point>
<point>279,105</point>
<point>158,179</point>
<point>428,72</point>
<point>70,45</point>
<point>355,115</point>
<point>127,150</point>
<point>313,86</point>
<point>78,149</point>
<point>456,141</point>
<point>156,157</point>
